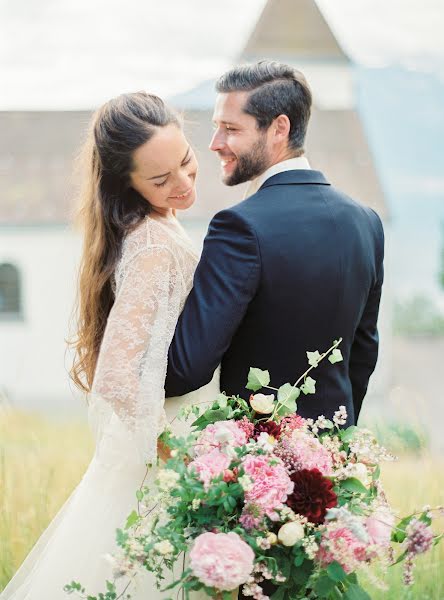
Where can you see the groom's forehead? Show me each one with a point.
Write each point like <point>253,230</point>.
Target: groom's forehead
<point>229,107</point>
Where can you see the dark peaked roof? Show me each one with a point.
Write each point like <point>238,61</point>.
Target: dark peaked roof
<point>292,27</point>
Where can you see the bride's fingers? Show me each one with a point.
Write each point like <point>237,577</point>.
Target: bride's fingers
<point>163,451</point>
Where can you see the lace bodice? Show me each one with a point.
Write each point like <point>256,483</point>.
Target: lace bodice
<point>152,281</point>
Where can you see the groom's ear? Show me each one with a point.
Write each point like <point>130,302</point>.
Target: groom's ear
<point>281,129</point>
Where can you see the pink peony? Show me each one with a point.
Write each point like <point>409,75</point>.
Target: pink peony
<point>340,544</point>
<point>210,465</point>
<point>221,560</point>
<point>303,451</point>
<point>379,526</point>
<point>218,435</point>
<point>271,484</point>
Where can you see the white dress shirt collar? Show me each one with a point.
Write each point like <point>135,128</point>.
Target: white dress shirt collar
<point>300,162</point>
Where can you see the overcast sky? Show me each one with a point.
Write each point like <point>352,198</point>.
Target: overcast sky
<point>77,53</point>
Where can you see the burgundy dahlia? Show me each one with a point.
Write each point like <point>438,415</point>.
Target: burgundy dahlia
<point>312,494</point>
<point>269,427</point>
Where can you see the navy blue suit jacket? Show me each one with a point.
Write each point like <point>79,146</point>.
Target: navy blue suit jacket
<point>290,269</point>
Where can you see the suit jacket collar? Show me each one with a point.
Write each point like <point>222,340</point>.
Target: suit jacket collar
<point>296,177</point>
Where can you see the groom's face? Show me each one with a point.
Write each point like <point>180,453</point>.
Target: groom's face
<point>241,146</point>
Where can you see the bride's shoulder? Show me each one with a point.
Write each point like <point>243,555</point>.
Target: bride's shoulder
<point>150,233</point>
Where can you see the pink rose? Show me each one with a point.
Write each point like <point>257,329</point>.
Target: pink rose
<point>379,526</point>
<point>221,560</point>
<point>210,465</point>
<point>220,434</point>
<point>271,484</point>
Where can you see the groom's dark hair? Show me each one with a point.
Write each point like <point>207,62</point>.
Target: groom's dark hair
<point>276,89</point>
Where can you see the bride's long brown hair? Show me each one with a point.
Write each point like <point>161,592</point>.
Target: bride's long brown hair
<point>109,207</point>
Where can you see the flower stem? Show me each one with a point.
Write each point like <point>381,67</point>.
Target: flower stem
<point>335,345</point>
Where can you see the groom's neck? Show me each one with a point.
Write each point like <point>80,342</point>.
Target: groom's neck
<point>284,154</point>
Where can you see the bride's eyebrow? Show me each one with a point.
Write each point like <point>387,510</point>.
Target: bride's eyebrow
<point>165,174</point>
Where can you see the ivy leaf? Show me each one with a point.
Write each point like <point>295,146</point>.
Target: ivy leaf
<point>399,534</point>
<point>299,559</point>
<point>376,473</point>
<point>73,586</point>
<point>348,434</point>
<point>314,358</point>
<point>222,401</point>
<point>323,586</point>
<point>257,379</point>
<point>131,520</point>
<point>110,587</point>
<point>309,386</point>
<point>301,575</point>
<point>425,519</point>
<point>336,594</point>
<point>279,594</point>
<point>336,572</point>
<point>335,356</point>
<point>287,396</point>
<point>400,558</point>
<point>355,592</point>
<point>211,416</point>
<point>353,485</point>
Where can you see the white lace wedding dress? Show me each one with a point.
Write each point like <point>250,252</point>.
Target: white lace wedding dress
<point>127,411</point>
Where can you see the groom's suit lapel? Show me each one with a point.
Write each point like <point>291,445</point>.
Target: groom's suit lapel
<point>296,177</point>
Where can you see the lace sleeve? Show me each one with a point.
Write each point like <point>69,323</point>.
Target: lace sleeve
<point>128,386</point>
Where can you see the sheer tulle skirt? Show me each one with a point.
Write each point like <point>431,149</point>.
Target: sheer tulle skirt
<point>75,545</point>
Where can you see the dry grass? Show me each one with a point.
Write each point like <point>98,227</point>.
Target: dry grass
<point>410,483</point>
<point>41,461</point>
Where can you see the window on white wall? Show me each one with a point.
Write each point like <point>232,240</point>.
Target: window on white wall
<point>10,293</point>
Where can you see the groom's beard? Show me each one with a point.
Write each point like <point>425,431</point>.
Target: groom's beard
<point>250,165</point>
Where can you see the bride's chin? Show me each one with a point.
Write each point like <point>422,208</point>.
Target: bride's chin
<point>187,204</point>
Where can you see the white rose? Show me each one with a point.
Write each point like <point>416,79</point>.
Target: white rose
<point>290,533</point>
<point>164,547</point>
<point>262,403</point>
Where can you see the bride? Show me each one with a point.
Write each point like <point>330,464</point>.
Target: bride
<point>136,271</point>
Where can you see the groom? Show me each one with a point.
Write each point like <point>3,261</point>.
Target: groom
<point>295,266</point>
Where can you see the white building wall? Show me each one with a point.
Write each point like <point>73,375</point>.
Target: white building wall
<point>32,351</point>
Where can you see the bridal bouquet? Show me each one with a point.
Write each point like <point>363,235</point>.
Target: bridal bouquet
<point>259,498</point>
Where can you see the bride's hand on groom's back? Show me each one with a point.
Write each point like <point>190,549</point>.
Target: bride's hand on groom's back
<point>163,452</point>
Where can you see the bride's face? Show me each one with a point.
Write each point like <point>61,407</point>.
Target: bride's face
<point>165,170</point>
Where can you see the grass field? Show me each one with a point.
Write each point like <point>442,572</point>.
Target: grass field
<point>41,461</point>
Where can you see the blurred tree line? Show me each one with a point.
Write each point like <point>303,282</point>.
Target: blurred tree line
<point>441,270</point>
